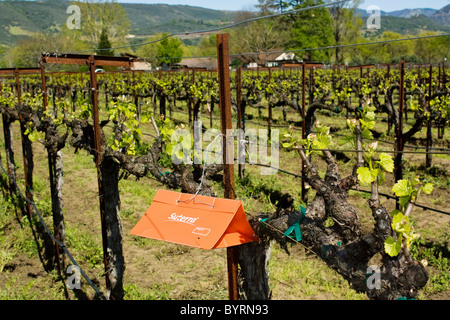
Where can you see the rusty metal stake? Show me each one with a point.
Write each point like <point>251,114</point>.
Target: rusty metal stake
<point>399,146</point>
<point>228,159</point>
<point>25,149</point>
<point>269,115</point>
<point>44,87</point>
<point>7,134</point>
<point>98,161</point>
<point>241,155</point>
<point>304,190</point>
<point>428,156</point>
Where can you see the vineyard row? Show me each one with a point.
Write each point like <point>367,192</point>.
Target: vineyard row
<point>132,101</point>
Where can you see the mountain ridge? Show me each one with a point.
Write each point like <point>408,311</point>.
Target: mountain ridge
<point>20,19</point>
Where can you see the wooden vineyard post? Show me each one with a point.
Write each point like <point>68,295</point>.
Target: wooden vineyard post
<point>228,160</point>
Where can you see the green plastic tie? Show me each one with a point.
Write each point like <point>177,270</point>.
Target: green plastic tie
<point>264,221</point>
<point>296,227</point>
<point>163,173</point>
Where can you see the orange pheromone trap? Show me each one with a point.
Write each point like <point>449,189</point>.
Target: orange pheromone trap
<point>196,221</point>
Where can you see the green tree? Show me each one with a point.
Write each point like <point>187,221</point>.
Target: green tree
<point>104,15</point>
<point>259,36</point>
<point>312,29</point>
<point>104,45</point>
<point>360,55</point>
<point>169,51</point>
<point>271,6</point>
<point>28,51</point>
<point>394,51</point>
<point>266,6</point>
<point>346,25</point>
<point>149,51</point>
<point>208,45</point>
<point>2,52</point>
<point>432,50</point>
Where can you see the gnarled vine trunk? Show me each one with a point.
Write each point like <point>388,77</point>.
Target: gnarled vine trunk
<point>115,263</point>
<point>56,187</point>
<point>11,167</point>
<point>253,259</point>
<point>343,246</point>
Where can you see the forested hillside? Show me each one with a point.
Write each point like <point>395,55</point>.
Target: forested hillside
<point>28,28</point>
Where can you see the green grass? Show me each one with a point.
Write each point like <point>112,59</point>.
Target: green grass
<point>306,277</point>
<point>158,292</point>
<point>86,246</point>
<point>436,254</point>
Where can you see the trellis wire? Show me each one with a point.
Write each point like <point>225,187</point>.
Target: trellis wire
<point>444,151</point>
<point>354,189</point>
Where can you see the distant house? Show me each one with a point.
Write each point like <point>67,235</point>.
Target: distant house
<point>270,60</point>
<point>197,63</point>
<point>139,64</point>
<point>142,66</point>
<point>278,60</point>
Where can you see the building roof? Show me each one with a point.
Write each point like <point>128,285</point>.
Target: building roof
<point>198,63</point>
<point>264,58</point>
<point>142,66</point>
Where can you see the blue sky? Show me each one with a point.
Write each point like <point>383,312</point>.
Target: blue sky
<point>385,5</point>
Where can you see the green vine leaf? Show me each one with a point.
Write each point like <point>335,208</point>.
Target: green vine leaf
<point>403,188</point>
<point>428,188</point>
<point>386,162</point>
<point>401,223</point>
<point>366,176</point>
<point>392,247</point>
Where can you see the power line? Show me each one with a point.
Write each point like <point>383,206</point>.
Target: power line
<point>233,25</point>
<point>365,43</point>
<point>318,48</point>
